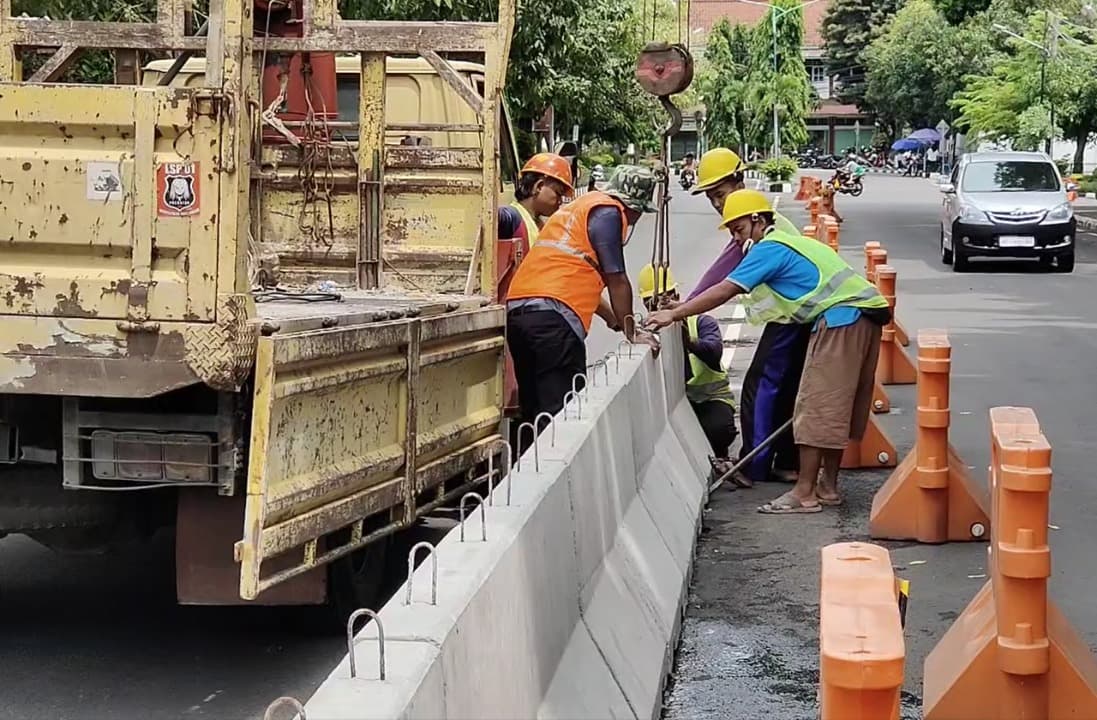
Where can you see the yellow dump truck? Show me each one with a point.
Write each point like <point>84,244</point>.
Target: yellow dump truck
<point>283,349</point>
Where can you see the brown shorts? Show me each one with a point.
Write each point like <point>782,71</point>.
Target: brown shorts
<point>835,395</point>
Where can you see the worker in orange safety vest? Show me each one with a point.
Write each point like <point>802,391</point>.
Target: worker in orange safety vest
<point>557,289</point>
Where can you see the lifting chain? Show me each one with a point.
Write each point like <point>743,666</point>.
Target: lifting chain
<point>663,70</point>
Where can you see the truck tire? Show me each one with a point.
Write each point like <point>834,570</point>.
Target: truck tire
<point>357,581</point>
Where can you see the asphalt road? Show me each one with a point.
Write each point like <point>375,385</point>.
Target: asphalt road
<point>1020,336</point>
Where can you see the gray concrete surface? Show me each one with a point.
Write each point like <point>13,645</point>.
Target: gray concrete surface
<point>1021,336</point>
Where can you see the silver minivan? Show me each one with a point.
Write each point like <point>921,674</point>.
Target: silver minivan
<point>1006,204</point>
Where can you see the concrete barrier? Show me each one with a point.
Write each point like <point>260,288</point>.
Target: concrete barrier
<point>572,606</point>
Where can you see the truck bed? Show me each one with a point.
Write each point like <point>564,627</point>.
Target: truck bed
<point>296,310</point>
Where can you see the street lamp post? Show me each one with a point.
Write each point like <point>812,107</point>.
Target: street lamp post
<point>774,14</point>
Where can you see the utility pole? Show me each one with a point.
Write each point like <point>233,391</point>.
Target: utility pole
<point>776,128</point>
<point>1053,49</point>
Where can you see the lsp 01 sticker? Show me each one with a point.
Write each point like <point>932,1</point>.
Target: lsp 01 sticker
<point>177,191</point>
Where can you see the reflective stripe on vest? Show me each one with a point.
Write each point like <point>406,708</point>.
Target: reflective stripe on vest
<point>705,384</point>
<point>563,265</point>
<point>532,231</point>
<point>838,285</point>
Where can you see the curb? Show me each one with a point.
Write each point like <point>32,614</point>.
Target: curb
<point>1086,222</point>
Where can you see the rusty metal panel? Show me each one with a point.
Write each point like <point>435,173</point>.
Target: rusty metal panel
<point>330,418</point>
<point>79,204</point>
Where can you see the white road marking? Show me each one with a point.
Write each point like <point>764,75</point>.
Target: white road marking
<point>731,334</point>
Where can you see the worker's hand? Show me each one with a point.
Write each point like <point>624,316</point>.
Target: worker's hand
<point>645,338</point>
<point>659,319</point>
<point>666,303</point>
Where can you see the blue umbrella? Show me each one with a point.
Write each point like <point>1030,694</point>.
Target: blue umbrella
<point>905,144</point>
<point>925,135</point>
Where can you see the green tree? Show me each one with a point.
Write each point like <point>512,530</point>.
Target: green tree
<point>1013,100</point>
<point>849,27</point>
<point>784,83</point>
<point>918,64</point>
<point>725,84</point>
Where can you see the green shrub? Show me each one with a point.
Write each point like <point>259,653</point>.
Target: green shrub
<point>1088,185</point>
<point>779,169</point>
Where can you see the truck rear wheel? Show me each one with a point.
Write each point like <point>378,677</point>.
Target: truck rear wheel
<point>357,581</point>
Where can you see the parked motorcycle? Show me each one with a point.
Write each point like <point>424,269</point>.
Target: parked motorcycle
<point>807,159</point>
<point>687,178</point>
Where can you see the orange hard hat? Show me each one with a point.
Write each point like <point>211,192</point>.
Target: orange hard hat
<point>550,165</point>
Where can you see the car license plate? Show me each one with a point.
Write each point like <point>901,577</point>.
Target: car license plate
<point>1013,241</point>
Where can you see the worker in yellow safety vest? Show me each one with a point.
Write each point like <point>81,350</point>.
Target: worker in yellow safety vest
<point>773,379</point>
<point>787,277</point>
<point>707,385</point>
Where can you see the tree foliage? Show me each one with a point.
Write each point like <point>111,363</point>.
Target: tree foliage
<point>725,83</point>
<point>918,64</point>
<point>742,84</point>
<point>783,83</point>
<point>849,27</point>
<point>1014,98</point>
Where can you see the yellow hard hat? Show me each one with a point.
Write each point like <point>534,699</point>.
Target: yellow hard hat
<point>742,203</point>
<point>714,166</point>
<point>646,281</point>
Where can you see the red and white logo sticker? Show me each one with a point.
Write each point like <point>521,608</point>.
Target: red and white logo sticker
<point>177,191</point>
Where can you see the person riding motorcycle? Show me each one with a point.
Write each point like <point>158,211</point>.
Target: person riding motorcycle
<point>688,174</point>
<point>851,171</point>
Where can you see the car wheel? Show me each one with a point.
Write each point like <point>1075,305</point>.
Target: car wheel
<point>946,255</point>
<point>1065,262</point>
<point>960,261</point>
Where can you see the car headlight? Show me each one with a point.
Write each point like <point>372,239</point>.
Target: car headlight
<point>973,216</point>
<point>1060,213</point>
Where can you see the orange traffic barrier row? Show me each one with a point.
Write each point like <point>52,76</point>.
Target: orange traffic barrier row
<point>1012,655</point>
<point>871,261</point>
<point>809,187</point>
<point>931,497</point>
<point>861,648</point>
<point>894,366</point>
<point>813,209</point>
<point>870,246</point>
<point>825,229</point>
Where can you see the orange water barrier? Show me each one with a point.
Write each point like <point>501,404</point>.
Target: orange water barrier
<point>1012,655</point>
<point>861,648</point>
<point>894,366</point>
<point>931,497</point>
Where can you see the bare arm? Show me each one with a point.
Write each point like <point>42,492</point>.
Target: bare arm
<point>712,298</point>
<point>620,302</point>
<point>605,311</point>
